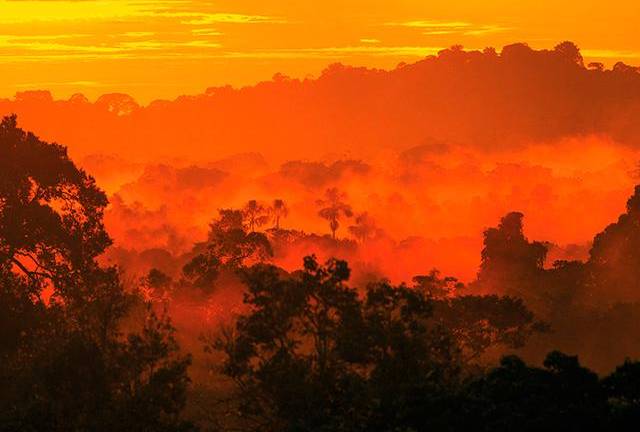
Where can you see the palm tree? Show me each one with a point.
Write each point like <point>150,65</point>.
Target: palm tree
<point>334,208</point>
<point>279,210</point>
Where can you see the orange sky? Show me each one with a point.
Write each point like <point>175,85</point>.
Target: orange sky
<point>162,49</point>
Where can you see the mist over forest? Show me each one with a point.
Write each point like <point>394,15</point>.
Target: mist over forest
<point>450,245</point>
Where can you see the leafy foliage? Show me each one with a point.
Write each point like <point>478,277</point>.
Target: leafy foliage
<point>255,214</point>
<point>510,263</point>
<point>313,354</point>
<point>65,363</point>
<point>614,256</point>
<point>278,210</point>
<point>229,247</point>
<point>334,208</point>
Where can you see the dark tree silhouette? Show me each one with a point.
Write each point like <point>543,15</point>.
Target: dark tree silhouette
<point>255,215</point>
<point>478,322</point>
<point>584,303</point>
<point>312,354</point>
<point>229,247</point>
<point>562,396</point>
<point>51,212</point>
<point>622,387</point>
<point>615,254</point>
<point>65,364</point>
<point>510,264</point>
<point>334,208</point>
<point>365,228</point>
<point>279,210</point>
<point>285,355</point>
<point>437,287</point>
<point>571,52</point>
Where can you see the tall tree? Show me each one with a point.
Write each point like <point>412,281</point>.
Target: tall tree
<point>510,263</point>
<point>229,247</point>
<point>65,364</point>
<point>615,255</point>
<point>284,355</point>
<point>334,208</point>
<point>255,214</point>
<point>51,212</point>
<point>279,210</point>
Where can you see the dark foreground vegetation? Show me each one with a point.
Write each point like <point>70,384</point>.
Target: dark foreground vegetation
<point>82,351</point>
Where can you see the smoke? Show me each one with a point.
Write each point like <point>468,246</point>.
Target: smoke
<point>429,204</point>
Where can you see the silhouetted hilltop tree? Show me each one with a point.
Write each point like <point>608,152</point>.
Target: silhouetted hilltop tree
<point>117,103</point>
<point>584,303</point>
<point>437,287</point>
<point>65,363</point>
<point>334,208</point>
<point>615,254</point>
<point>570,51</point>
<point>279,210</point>
<point>229,247</point>
<point>510,263</point>
<point>255,215</point>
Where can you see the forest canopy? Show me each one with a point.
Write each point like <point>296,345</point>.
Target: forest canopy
<point>493,99</point>
<point>83,346</point>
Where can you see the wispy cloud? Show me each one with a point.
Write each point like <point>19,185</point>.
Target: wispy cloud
<point>485,29</point>
<point>339,52</point>
<point>151,51</point>
<point>23,44</point>
<point>29,11</point>
<point>119,45</point>
<point>438,32</point>
<point>434,28</point>
<point>192,12</point>
<point>431,24</point>
<point>50,84</point>
<point>225,18</point>
<point>172,28</point>
<point>13,38</point>
<point>206,32</point>
<point>610,54</point>
<point>139,34</point>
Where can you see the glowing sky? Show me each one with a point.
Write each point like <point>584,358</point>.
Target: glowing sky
<point>161,49</point>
